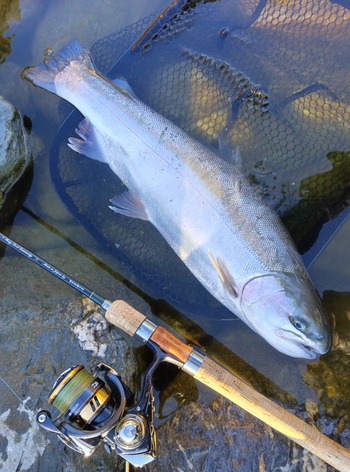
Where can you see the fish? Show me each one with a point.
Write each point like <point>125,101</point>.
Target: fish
<point>201,203</point>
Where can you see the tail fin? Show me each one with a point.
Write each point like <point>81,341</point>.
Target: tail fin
<point>44,74</point>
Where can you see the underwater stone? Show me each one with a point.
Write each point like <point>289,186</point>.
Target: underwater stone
<point>13,155</point>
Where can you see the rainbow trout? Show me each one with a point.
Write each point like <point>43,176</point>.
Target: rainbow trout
<point>227,236</point>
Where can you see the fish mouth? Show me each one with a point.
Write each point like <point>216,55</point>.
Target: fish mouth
<point>299,351</point>
<point>293,345</point>
<point>313,354</point>
<point>309,348</point>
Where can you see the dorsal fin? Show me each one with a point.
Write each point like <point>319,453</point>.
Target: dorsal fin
<point>123,87</point>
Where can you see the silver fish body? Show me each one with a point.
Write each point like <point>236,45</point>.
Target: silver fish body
<point>203,206</point>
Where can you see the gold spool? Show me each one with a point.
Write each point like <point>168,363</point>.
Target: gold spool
<point>79,394</point>
<point>69,389</point>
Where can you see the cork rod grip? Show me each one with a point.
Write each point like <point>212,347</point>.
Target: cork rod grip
<point>222,381</point>
<point>124,317</point>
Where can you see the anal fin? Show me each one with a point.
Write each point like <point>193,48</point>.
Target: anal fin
<point>88,144</point>
<point>232,156</point>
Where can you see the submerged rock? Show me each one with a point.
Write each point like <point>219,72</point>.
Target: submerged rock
<point>13,154</point>
<point>9,11</point>
<point>329,377</point>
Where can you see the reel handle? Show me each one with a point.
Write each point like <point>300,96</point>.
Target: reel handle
<point>212,374</point>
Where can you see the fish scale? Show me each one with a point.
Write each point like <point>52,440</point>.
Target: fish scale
<point>201,204</point>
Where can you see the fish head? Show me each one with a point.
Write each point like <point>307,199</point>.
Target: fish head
<point>287,312</point>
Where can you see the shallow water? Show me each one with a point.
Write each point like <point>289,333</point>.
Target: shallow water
<point>45,226</point>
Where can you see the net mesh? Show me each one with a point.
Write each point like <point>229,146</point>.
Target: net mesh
<point>271,77</point>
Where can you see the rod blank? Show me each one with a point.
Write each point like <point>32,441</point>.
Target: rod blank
<point>54,271</point>
<point>210,373</point>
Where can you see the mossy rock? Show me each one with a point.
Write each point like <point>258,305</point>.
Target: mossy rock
<point>13,155</point>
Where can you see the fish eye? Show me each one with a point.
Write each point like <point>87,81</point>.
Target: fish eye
<point>298,323</point>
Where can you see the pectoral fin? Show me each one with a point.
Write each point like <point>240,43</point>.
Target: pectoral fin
<point>128,205</point>
<point>224,274</point>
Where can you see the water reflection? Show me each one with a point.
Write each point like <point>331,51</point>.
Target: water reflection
<point>286,147</point>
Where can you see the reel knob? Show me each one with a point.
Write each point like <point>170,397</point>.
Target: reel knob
<point>131,431</point>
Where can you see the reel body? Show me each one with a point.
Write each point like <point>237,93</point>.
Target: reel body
<point>94,410</point>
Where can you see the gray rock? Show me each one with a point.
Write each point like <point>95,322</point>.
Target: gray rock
<point>197,430</point>
<point>40,344</point>
<point>13,155</point>
<point>215,435</point>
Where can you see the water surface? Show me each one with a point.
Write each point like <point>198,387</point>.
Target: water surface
<point>45,226</point>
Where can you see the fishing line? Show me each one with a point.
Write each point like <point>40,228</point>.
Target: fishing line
<point>102,265</point>
<point>16,395</point>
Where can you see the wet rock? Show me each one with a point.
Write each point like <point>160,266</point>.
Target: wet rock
<point>197,430</point>
<point>337,304</point>
<point>40,344</point>
<point>329,377</point>
<point>13,155</point>
<point>214,435</point>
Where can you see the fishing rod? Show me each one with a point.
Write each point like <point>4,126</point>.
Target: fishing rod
<point>95,413</point>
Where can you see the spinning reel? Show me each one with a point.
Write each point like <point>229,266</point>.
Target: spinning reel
<point>95,410</point>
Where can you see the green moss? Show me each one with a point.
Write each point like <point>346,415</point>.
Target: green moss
<point>329,377</point>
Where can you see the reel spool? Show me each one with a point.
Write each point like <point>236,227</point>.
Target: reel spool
<point>81,397</point>
<point>94,411</point>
